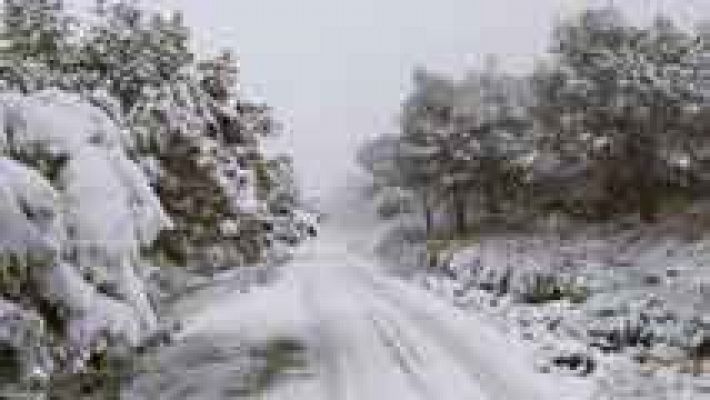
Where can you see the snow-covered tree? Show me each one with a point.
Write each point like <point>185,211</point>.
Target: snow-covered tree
<point>459,141</point>
<point>189,127</point>
<point>35,41</point>
<point>117,146</point>
<point>75,212</point>
<point>623,101</point>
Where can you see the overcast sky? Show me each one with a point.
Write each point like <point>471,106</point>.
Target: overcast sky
<point>335,70</point>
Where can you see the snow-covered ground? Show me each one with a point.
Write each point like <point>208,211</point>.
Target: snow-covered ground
<point>645,297</point>
<point>365,335</point>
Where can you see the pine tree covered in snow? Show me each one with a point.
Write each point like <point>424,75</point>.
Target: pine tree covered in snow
<point>623,102</point>
<point>117,146</point>
<point>35,42</point>
<point>197,139</point>
<point>459,153</point>
<point>74,220</point>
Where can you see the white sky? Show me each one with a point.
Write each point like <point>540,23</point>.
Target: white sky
<point>335,70</point>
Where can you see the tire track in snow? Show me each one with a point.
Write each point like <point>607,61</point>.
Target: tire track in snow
<point>406,356</point>
<point>432,373</point>
<point>495,385</point>
<point>333,376</point>
<point>362,354</point>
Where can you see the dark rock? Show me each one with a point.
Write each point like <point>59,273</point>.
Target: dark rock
<point>651,280</point>
<point>580,363</point>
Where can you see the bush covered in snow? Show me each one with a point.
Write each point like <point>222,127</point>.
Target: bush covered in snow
<point>593,302</point>
<point>71,235</point>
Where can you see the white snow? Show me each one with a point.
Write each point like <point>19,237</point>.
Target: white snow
<point>93,218</point>
<point>24,190</point>
<point>641,288</point>
<point>368,337</point>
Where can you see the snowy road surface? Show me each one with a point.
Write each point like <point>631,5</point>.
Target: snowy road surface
<point>371,337</point>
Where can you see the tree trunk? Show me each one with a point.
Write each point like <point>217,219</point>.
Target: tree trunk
<point>428,218</point>
<point>648,193</point>
<point>459,210</point>
<point>648,204</point>
<point>649,201</point>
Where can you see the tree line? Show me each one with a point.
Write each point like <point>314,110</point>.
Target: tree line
<point>612,122</point>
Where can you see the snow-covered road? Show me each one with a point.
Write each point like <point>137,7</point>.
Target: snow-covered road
<point>369,336</point>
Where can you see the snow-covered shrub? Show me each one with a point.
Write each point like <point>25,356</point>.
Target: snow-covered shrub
<point>494,268</point>
<point>543,287</point>
<point>643,301</point>
<point>403,243</point>
<point>71,236</point>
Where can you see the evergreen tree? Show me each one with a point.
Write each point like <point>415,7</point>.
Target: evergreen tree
<point>36,41</point>
<point>138,68</point>
<point>460,141</point>
<point>620,100</point>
